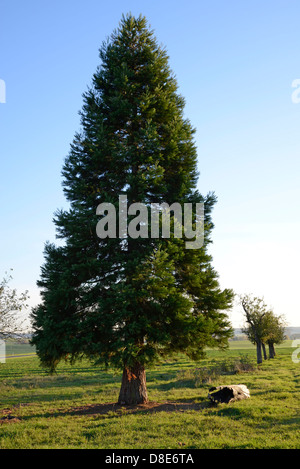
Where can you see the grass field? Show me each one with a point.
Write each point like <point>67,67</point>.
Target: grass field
<point>76,407</point>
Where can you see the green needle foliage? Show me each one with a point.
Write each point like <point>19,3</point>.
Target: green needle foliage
<point>128,302</point>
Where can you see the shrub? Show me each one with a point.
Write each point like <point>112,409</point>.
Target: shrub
<point>210,375</point>
<point>244,364</point>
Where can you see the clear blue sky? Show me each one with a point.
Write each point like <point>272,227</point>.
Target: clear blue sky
<point>235,62</point>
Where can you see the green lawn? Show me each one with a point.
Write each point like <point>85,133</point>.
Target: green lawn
<point>75,408</point>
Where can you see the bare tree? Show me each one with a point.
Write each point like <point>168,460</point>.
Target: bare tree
<point>11,304</point>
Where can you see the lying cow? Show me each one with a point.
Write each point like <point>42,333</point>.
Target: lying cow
<point>227,394</point>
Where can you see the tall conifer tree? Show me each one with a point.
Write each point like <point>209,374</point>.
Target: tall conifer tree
<point>126,302</point>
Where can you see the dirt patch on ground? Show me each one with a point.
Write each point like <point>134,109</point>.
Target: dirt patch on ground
<point>7,417</point>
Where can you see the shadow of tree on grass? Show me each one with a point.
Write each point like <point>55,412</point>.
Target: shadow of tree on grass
<point>116,410</point>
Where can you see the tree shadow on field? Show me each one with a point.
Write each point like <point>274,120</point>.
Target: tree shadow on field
<point>150,407</point>
<point>116,410</point>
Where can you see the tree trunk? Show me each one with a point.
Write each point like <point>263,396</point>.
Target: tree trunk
<point>264,351</point>
<point>271,350</point>
<point>133,388</point>
<point>258,352</point>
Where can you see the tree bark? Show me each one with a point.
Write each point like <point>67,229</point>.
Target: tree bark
<point>258,351</point>
<point>133,388</point>
<point>271,350</point>
<point>264,351</point>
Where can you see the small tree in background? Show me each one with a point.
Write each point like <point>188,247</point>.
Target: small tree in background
<point>11,304</point>
<point>274,331</point>
<point>127,302</point>
<point>255,310</point>
<point>262,326</point>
